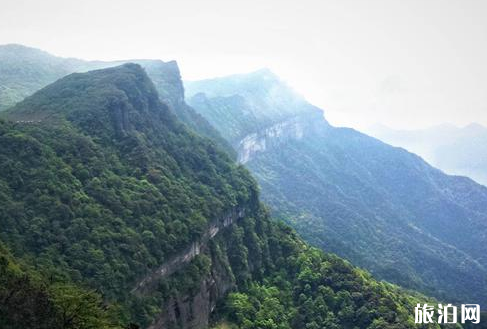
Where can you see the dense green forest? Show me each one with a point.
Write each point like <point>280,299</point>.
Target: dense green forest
<point>305,288</point>
<point>100,184</point>
<point>380,207</point>
<point>27,300</point>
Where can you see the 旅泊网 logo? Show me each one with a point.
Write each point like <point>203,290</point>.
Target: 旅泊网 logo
<point>447,313</point>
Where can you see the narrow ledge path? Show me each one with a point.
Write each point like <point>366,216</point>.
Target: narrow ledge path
<point>182,258</point>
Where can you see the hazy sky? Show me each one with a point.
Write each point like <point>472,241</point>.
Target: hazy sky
<point>404,63</point>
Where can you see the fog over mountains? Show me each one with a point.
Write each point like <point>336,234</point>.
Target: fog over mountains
<point>459,151</point>
<point>379,206</point>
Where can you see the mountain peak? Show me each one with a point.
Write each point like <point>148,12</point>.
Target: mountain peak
<point>265,73</point>
<point>116,99</point>
<point>261,80</point>
<point>267,97</point>
<point>475,126</point>
<point>18,47</point>
<point>12,53</point>
<point>18,57</point>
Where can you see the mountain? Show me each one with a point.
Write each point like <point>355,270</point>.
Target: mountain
<point>378,206</point>
<point>110,182</point>
<point>458,151</point>
<point>236,115</point>
<point>104,192</point>
<point>24,70</point>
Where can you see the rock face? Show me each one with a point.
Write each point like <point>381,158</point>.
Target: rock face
<point>193,311</point>
<point>167,79</point>
<point>277,134</point>
<point>238,115</point>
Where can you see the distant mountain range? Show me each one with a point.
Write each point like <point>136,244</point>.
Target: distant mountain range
<point>458,151</point>
<point>377,205</point>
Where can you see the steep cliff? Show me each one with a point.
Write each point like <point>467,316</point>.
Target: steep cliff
<point>278,134</point>
<point>180,260</point>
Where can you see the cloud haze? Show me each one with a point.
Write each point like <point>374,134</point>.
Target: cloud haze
<point>407,64</point>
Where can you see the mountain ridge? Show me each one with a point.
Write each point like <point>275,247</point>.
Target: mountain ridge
<point>25,70</point>
<point>456,150</point>
<point>381,207</point>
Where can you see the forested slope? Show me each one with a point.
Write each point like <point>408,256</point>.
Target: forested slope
<point>100,185</point>
<point>27,300</point>
<point>380,207</point>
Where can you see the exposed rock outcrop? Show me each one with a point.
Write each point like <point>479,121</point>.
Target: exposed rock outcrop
<point>193,311</point>
<point>278,134</point>
<point>179,260</point>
